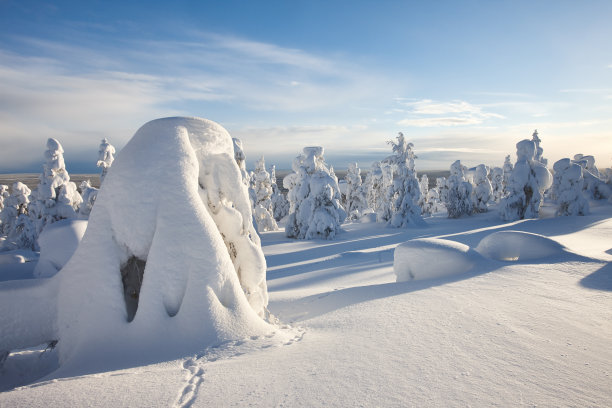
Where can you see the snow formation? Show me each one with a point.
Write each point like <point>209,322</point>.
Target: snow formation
<point>314,197</point>
<point>157,276</point>
<point>57,245</point>
<point>518,246</point>
<point>106,156</point>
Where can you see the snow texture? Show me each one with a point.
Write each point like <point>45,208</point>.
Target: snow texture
<point>314,197</point>
<point>526,186</point>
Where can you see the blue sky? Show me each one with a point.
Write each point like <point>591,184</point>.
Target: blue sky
<point>461,79</point>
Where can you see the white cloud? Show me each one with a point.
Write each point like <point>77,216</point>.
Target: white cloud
<point>429,113</point>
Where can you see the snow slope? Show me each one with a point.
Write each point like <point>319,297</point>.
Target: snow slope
<point>526,332</point>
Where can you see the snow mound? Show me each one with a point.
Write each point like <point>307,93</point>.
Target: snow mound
<point>58,242</point>
<point>518,246</point>
<point>428,258</point>
<point>170,262</point>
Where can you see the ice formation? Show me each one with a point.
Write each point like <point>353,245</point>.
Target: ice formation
<point>314,197</point>
<point>161,275</point>
<point>526,186</point>
<point>459,196</point>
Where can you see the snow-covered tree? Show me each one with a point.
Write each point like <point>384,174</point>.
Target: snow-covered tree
<point>424,189</point>
<point>280,204</point>
<point>442,187</point>
<point>4,193</point>
<point>539,151</point>
<point>355,196</point>
<point>314,198</point>
<point>497,183</point>
<point>483,191</point>
<point>527,183</point>
<point>567,188</point>
<point>88,195</point>
<point>594,182</point>
<point>106,156</point>
<point>434,204</point>
<point>400,207</point>
<point>14,220</point>
<point>56,197</point>
<point>508,167</point>
<point>262,186</point>
<point>376,186</point>
<point>459,196</point>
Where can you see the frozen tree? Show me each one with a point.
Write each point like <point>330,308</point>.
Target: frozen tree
<point>567,188</point>
<point>240,158</point>
<point>14,220</point>
<point>56,197</point>
<point>459,196</point>
<point>442,186</point>
<point>434,203</point>
<point>594,182</point>
<point>424,189</point>
<point>88,195</point>
<point>280,205</point>
<point>315,210</point>
<point>483,191</point>
<point>376,186</point>
<point>400,207</point>
<point>497,183</point>
<point>355,197</point>
<point>4,193</point>
<point>507,173</point>
<point>262,186</point>
<point>527,183</point>
<point>539,151</point>
<point>106,156</point>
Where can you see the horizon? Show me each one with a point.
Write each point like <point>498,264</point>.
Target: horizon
<point>463,81</point>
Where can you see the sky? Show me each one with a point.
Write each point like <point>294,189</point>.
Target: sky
<point>463,80</point>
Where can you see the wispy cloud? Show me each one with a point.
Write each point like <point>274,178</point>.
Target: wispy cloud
<point>429,113</point>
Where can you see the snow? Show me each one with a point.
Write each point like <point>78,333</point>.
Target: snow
<point>57,244</point>
<point>499,313</point>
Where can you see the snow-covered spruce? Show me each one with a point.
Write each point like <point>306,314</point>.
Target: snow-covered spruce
<point>262,186</point>
<point>14,220</point>
<point>56,197</point>
<point>280,204</point>
<point>4,193</point>
<point>400,207</point>
<point>507,167</point>
<point>497,183</point>
<point>166,275</point>
<point>355,196</point>
<point>88,196</point>
<point>459,196</point>
<point>424,189</point>
<point>442,186</point>
<point>375,186</point>
<point>483,191</point>
<point>526,186</point>
<point>315,210</point>
<point>106,156</point>
<point>567,188</point>
<point>594,182</point>
<point>535,138</point>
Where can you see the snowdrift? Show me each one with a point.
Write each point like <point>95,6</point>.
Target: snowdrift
<point>429,258</point>
<point>170,262</point>
<point>58,242</point>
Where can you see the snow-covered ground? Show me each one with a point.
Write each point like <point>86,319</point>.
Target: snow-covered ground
<point>535,331</point>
